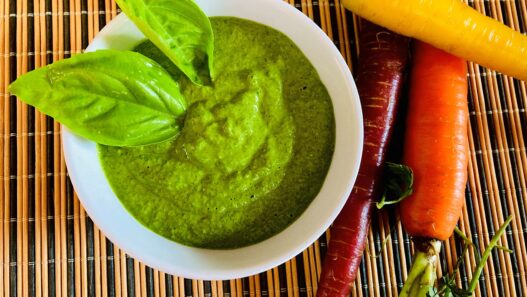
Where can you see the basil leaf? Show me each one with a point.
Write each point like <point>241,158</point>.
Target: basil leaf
<point>399,183</point>
<point>179,29</point>
<point>117,98</point>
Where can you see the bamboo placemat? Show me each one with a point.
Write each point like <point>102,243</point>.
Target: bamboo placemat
<point>49,247</point>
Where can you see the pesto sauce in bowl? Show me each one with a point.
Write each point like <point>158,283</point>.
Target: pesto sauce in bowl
<point>253,153</point>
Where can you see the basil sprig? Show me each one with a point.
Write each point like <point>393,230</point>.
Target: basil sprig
<point>118,98</point>
<point>122,98</point>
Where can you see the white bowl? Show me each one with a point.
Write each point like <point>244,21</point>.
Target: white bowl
<point>120,227</point>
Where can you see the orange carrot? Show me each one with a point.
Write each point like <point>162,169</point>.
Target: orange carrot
<point>436,143</point>
<point>436,148</point>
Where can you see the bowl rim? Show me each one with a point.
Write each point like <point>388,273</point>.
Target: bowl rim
<point>120,32</point>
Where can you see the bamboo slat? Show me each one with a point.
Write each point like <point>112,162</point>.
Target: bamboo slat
<point>49,247</point>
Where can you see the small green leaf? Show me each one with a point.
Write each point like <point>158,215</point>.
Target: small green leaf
<point>399,181</point>
<point>117,98</point>
<point>432,292</point>
<point>505,249</point>
<point>179,29</point>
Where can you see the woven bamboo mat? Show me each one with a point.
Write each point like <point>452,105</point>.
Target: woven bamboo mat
<point>49,247</point>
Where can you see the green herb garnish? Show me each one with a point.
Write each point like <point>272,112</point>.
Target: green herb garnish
<point>179,29</point>
<point>117,98</point>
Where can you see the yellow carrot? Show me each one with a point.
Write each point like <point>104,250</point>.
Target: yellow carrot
<point>452,26</point>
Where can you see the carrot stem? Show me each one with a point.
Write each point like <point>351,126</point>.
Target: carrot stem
<point>418,267</point>
<point>415,289</point>
<point>492,244</point>
<point>427,280</point>
<point>463,236</point>
<point>422,275</point>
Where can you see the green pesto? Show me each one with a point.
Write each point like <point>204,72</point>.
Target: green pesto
<point>253,152</point>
